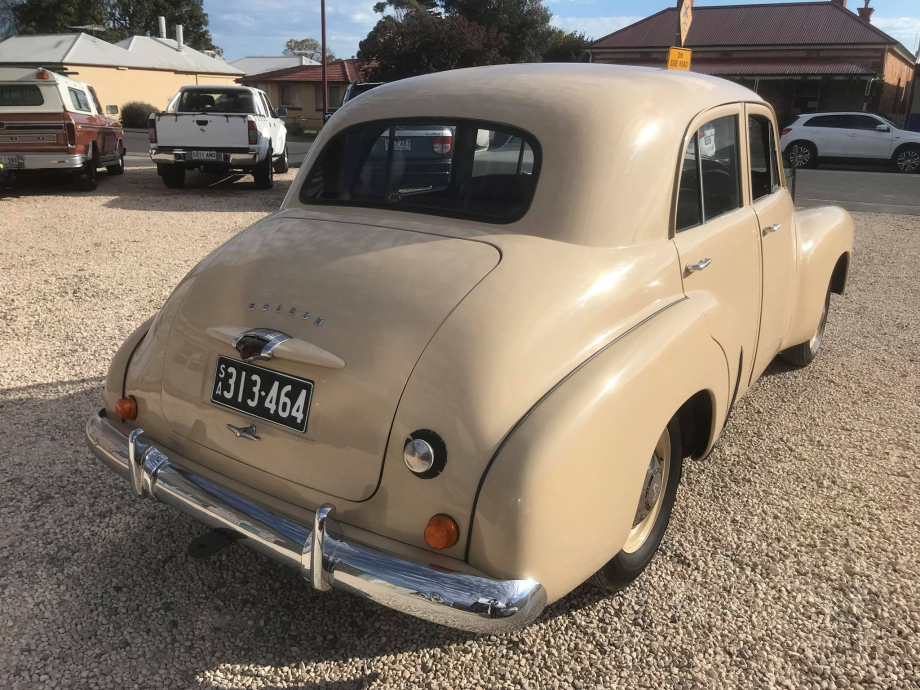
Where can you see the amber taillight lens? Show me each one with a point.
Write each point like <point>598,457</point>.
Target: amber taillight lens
<point>126,408</point>
<point>442,532</point>
<point>71,133</point>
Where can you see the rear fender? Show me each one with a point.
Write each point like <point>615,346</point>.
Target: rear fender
<point>559,498</point>
<point>825,235</point>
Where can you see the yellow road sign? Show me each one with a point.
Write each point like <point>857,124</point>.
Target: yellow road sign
<point>686,19</point>
<point>679,58</point>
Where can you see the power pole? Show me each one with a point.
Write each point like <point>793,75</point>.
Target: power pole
<point>322,11</point>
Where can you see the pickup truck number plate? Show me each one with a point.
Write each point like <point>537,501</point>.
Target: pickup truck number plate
<point>263,393</point>
<point>10,161</point>
<point>204,155</point>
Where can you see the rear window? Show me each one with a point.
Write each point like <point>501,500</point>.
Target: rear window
<point>459,169</point>
<point>20,95</point>
<point>215,101</point>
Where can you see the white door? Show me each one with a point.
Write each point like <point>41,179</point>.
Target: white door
<point>829,134</point>
<point>865,140</point>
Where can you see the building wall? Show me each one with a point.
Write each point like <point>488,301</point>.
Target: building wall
<point>896,86</point>
<point>117,86</point>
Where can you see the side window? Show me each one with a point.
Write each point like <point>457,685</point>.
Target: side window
<point>269,110</point>
<point>79,100</point>
<point>713,157</point>
<point>92,92</point>
<point>830,121</point>
<point>862,122</point>
<point>764,175</point>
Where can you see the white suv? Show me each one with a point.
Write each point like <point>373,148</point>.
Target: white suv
<point>851,136</point>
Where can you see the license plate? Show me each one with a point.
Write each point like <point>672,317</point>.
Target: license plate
<point>398,144</point>
<point>204,155</point>
<point>263,393</point>
<point>10,161</point>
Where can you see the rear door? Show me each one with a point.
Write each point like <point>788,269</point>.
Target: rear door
<point>865,140</point>
<point>718,238</point>
<point>773,205</point>
<point>829,134</point>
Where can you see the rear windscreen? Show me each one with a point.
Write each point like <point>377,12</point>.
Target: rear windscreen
<point>215,101</point>
<point>447,168</point>
<point>20,95</point>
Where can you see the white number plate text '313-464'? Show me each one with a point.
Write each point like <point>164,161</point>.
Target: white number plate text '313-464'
<point>259,392</point>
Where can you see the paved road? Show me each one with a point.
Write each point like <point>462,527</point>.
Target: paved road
<point>873,190</point>
<point>138,150</point>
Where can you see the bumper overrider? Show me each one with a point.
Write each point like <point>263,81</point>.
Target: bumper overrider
<point>459,600</point>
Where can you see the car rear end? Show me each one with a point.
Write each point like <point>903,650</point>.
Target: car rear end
<point>36,131</point>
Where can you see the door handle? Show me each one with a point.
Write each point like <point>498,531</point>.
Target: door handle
<point>770,228</point>
<point>693,268</point>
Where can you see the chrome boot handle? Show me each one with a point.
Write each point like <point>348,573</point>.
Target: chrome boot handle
<point>693,268</point>
<point>770,228</point>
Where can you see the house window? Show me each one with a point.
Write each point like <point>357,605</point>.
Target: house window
<point>334,96</point>
<point>289,95</point>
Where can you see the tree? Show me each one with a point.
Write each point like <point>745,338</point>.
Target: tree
<point>309,48</point>
<point>122,18</point>
<point>566,47</point>
<point>524,22</point>
<point>424,42</point>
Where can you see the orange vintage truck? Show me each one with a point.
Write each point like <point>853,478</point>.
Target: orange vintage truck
<point>51,122</point>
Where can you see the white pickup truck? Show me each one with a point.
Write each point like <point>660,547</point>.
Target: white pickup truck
<point>217,129</point>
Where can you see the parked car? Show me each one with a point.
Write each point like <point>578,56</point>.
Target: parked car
<point>219,129</point>
<point>50,122</point>
<point>356,88</point>
<point>853,137</point>
<point>461,400</point>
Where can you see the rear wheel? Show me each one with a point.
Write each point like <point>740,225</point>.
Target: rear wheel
<point>173,176</point>
<point>802,154</point>
<point>659,492</point>
<point>119,167</point>
<point>803,354</point>
<point>264,173</point>
<point>907,160</point>
<point>281,165</point>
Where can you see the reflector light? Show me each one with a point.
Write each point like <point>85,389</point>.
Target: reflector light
<point>42,74</point>
<point>253,134</point>
<point>126,408</point>
<point>152,130</point>
<point>442,532</point>
<point>71,133</point>
<point>785,131</point>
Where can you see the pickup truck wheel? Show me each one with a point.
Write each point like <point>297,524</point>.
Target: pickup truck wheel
<point>119,167</point>
<point>264,173</point>
<point>803,354</point>
<point>659,491</point>
<point>907,160</point>
<point>174,177</point>
<point>281,165</point>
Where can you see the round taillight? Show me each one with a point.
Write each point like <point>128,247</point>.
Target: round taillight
<point>442,532</point>
<point>425,453</point>
<point>126,408</point>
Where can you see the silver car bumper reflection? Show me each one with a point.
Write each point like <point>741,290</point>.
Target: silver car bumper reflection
<point>460,600</point>
<point>220,158</point>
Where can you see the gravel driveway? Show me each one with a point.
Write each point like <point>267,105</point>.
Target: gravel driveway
<point>793,558</point>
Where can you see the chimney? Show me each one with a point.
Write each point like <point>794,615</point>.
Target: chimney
<point>162,27</point>
<point>865,13</point>
<point>178,37</point>
<point>842,3</point>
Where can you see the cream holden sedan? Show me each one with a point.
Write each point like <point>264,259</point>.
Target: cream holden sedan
<point>458,374</point>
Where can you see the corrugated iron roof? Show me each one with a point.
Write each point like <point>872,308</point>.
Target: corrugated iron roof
<point>62,49</point>
<point>768,68</point>
<point>800,23</point>
<point>341,71</point>
<point>165,53</point>
<point>257,64</point>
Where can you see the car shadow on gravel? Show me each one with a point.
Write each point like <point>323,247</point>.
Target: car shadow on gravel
<point>116,574</point>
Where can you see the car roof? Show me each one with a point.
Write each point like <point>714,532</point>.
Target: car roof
<point>610,136</point>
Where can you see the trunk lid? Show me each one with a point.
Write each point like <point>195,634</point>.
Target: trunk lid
<point>381,294</point>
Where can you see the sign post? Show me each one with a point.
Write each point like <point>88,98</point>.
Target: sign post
<point>679,58</point>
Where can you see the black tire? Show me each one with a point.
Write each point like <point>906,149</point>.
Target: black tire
<point>281,165</point>
<point>264,173</point>
<point>86,179</point>
<point>803,354</point>
<point>173,176</point>
<point>907,160</point>
<point>119,167</point>
<point>802,154</point>
<point>625,567</point>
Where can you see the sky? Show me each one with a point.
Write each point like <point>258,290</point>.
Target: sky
<point>261,27</point>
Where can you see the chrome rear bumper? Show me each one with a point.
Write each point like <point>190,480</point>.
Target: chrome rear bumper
<point>222,158</point>
<point>460,600</point>
<point>43,161</point>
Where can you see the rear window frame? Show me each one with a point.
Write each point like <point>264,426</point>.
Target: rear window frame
<point>26,88</point>
<point>524,135</point>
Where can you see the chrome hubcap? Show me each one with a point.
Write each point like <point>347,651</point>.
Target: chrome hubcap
<point>909,161</point>
<point>652,494</point>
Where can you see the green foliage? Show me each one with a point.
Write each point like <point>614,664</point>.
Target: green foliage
<point>566,47</point>
<point>524,22</point>
<point>424,42</point>
<point>309,48</point>
<point>121,18</point>
<point>135,114</point>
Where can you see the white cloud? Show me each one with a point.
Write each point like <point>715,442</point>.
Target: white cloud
<point>594,27</point>
<point>905,29</point>
<point>237,18</point>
